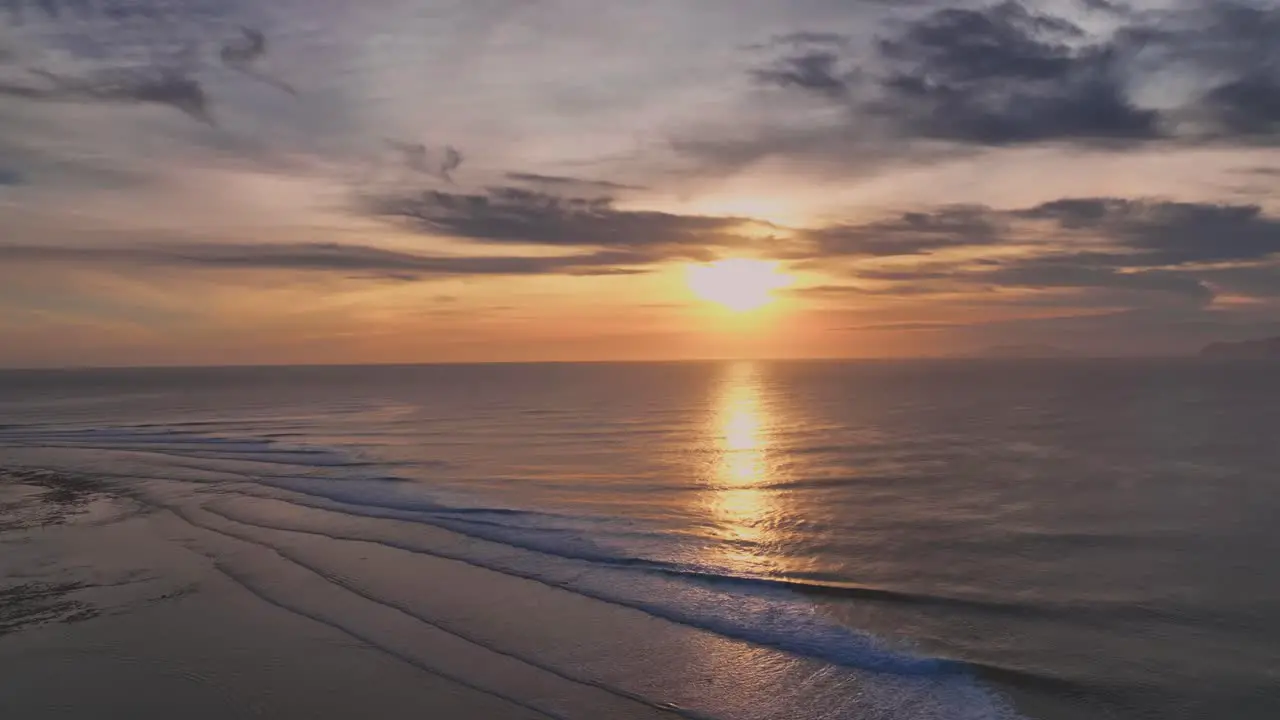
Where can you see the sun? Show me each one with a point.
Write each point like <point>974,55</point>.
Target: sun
<point>739,284</point>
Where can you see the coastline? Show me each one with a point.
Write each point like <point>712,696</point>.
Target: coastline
<point>159,599</point>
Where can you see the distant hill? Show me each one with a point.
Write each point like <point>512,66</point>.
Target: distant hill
<point>1268,349</point>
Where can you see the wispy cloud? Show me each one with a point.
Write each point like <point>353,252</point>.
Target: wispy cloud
<point>1147,247</point>
<point>517,215</point>
<point>563,181</point>
<point>376,263</point>
<point>163,86</point>
<point>811,70</point>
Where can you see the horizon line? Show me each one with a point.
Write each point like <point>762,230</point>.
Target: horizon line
<point>674,361</point>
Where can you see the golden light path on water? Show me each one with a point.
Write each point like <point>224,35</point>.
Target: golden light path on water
<point>743,507</point>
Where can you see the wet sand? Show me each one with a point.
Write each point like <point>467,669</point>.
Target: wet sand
<point>108,609</point>
<point>142,596</point>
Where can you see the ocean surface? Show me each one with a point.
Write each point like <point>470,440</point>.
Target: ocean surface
<point>949,539</point>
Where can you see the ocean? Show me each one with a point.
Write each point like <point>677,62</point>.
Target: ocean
<point>896,539</point>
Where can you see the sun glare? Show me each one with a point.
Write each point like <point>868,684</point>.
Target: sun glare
<point>740,284</point>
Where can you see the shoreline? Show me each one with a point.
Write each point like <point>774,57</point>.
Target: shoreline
<point>201,586</point>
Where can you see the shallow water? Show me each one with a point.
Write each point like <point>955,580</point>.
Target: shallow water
<point>1093,538</point>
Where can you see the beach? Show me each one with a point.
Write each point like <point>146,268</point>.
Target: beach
<point>135,604</point>
<point>118,611</point>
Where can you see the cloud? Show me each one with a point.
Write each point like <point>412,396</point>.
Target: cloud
<point>1256,281</point>
<point>1148,232</point>
<point>812,70</point>
<point>1262,171</point>
<point>114,52</point>
<point>911,233</point>
<point>418,158</point>
<point>811,38</point>
<point>1011,74</point>
<point>995,76</point>
<point>20,10</point>
<point>163,86</point>
<point>1108,6</point>
<point>906,326</point>
<point>1004,75</point>
<point>572,182</point>
<point>1072,272</point>
<point>517,215</point>
<point>1233,45</point>
<point>920,289</point>
<point>1169,233</point>
<point>1188,252</point>
<point>320,257</point>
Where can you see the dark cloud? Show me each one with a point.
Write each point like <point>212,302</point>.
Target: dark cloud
<point>911,233</point>
<point>1257,281</point>
<point>1134,232</point>
<point>1010,74</point>
<point>1249,105</point>
<point>813,63</point>
<point>993,76</point>
<point>1188,252</point>
<point>244,53</point>
<point>323,257</point>
<point>154,85</point>
<point>521,216</point>
<point>1108,6</point>
<point>21,11</point>
<point>452,161</point>
<point>1169,233</point>
<point>1004,75</point>
<point>811,38</point>
<point>1084,252</point>
<point>1004,41</point>
<point>1234,45</point>
<point>420,159</point>
<point>136,51</point>
<point>816,71</point>
<point>568,182</point>
<point>1073,272</point>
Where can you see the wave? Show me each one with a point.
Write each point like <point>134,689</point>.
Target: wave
<point>188,445</point>
<point>768,621</point>
<point>534,534</point>
<point>529,533</point>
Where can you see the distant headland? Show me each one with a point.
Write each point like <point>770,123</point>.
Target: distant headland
<point>1268,349</point>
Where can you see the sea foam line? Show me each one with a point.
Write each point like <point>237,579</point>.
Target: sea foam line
<point>821,641</point>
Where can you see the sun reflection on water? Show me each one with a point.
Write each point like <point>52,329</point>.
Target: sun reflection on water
<point>741,503</point>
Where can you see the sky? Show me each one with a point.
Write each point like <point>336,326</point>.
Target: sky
<point>323,181</point>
